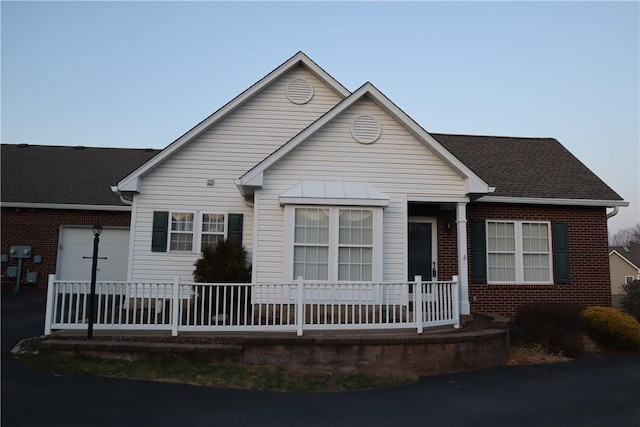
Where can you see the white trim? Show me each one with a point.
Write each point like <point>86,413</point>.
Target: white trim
<point>256,231</point>
<point>377,269</point>
<point>546,201</point>
<point>132,239</point>
<point>519,252</point>
<point>629,277</point>
<point>463,250</point>
<point>434,240</point>
<point>436,199</point>
<point>625,259</point>
<point>196,242</point>
<point>473,183</point>
<point>131,182</point>
<point>77,207</point>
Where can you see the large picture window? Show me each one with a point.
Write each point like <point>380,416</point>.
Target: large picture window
<point>518,252</point>
<point>334,243</point>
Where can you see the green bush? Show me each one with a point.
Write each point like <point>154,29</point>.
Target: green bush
<point>225,262</point>
<point>630,302</point>
<point>612,328</point>
<point>557,327</point>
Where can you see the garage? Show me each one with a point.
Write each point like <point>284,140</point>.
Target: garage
<point>75,250</point>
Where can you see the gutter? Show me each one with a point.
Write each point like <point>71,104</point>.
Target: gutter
<point>613,213</point>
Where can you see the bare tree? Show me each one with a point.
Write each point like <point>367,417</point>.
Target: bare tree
<point>626,236</point>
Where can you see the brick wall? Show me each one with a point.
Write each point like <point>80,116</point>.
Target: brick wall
<point>40,229</point>
<point>588,259</point>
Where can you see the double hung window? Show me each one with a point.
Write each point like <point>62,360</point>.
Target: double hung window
<point>518,252</point>
<point>189,231</point>
<point>334,243</point>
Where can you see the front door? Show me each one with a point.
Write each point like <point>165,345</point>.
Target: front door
<point>420,253</point>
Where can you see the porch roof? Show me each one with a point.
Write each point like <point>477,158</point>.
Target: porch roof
<point>335,192</point>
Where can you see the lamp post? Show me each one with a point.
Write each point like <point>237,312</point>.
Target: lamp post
<point>97,230</point>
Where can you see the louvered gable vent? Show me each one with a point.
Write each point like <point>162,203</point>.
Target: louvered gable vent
<point>366,129</point>
<point>299,91</point>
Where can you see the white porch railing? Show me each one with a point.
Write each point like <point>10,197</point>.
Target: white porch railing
<point>210,307</point>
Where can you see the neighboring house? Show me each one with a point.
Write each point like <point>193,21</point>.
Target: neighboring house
<point>624,262</point>
<point>338,186</point>
<point>52,196</point>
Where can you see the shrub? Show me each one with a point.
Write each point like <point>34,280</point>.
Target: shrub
<point>225,262</point>
<point>630,302</point>
<point>612,328</point>
<point>558,328</point>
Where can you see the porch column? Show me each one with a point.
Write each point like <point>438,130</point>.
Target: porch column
<point>463,268</point>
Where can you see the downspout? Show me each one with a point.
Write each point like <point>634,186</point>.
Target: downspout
<point>613,213</point>
<point>123,199</point>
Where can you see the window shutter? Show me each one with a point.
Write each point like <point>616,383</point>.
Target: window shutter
<point>478,251</point>
<point>159,231</point>
<point>561,251</point>
<point>234,233</point>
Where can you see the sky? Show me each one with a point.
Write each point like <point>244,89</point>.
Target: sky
<point>140,74</point>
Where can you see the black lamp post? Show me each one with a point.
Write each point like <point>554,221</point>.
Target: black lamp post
<point>97,230</point>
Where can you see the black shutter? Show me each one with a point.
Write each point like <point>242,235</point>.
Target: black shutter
<point>478,251</point>
<point>561,251</point>
<point>159,231</point>
<point>234,234</point>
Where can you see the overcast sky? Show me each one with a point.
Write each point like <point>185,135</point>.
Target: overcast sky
<point>140,74</point>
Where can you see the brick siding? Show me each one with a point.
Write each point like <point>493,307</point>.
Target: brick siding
<point>40,229</point>
<point>588,259</point>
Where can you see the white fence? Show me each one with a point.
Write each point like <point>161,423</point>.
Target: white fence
<point>294,307</point>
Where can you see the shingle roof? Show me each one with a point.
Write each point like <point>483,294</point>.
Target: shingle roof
<point>66,175</point>
<point>527,167</point>
<point>632,254</point>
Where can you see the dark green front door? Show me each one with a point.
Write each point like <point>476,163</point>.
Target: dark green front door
<point>420,257</point>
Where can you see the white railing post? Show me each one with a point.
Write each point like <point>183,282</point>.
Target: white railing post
<point>48,314</point>
<point>300,306</point>
<point>417,304</point>
<point>456,301</point>
<point>175,314</point>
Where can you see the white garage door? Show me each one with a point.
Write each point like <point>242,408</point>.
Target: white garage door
<point>77,243</point>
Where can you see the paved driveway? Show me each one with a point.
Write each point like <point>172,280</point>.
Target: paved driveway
<point>594,392</point>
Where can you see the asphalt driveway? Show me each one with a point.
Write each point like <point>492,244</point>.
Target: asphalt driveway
<point>590,392</point>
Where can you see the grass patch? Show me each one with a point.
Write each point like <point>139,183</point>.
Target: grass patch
<point>201,374</point>
<point>533,355</point>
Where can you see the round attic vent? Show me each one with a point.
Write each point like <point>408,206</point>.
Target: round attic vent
<point>366,129</point>
<point>299,91</point>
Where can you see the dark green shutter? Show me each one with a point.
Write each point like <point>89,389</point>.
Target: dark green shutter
<point>159,231</point>
<point>234,234</point>
<point>561,251</point>
<point>478,251</point>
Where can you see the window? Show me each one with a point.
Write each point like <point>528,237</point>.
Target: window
<point>355,243</point>
<point>628,279</point>
<point>311,244</point>
<point>212,230</point>
<point>518,252</point>
<point>335,244</point>
<point>189,231</point>
<point>181,236</point>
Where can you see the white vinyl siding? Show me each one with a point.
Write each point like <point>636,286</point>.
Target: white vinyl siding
<point>518,252</point>
<point>223,153</point>
<point>397,165</point>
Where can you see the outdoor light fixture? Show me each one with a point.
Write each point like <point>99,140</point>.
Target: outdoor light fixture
<point>97,230</point>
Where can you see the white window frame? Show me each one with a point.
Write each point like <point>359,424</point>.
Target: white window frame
<point>197,232</point>
<point>519,252</point>
<point>334,245</point>
<point>626,279</point>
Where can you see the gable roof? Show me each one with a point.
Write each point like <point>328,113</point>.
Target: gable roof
<point>474,184</point>
<point>50,176</point>
<point>529,168</point>
<point>629,253</point>
<point>130,183</point>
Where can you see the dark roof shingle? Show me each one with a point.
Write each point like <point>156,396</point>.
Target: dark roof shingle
<point>66,175</point>
<point>631,252</point>
<point>527,167</point>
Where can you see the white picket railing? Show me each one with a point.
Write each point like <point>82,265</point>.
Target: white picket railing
<point>210,307</point>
